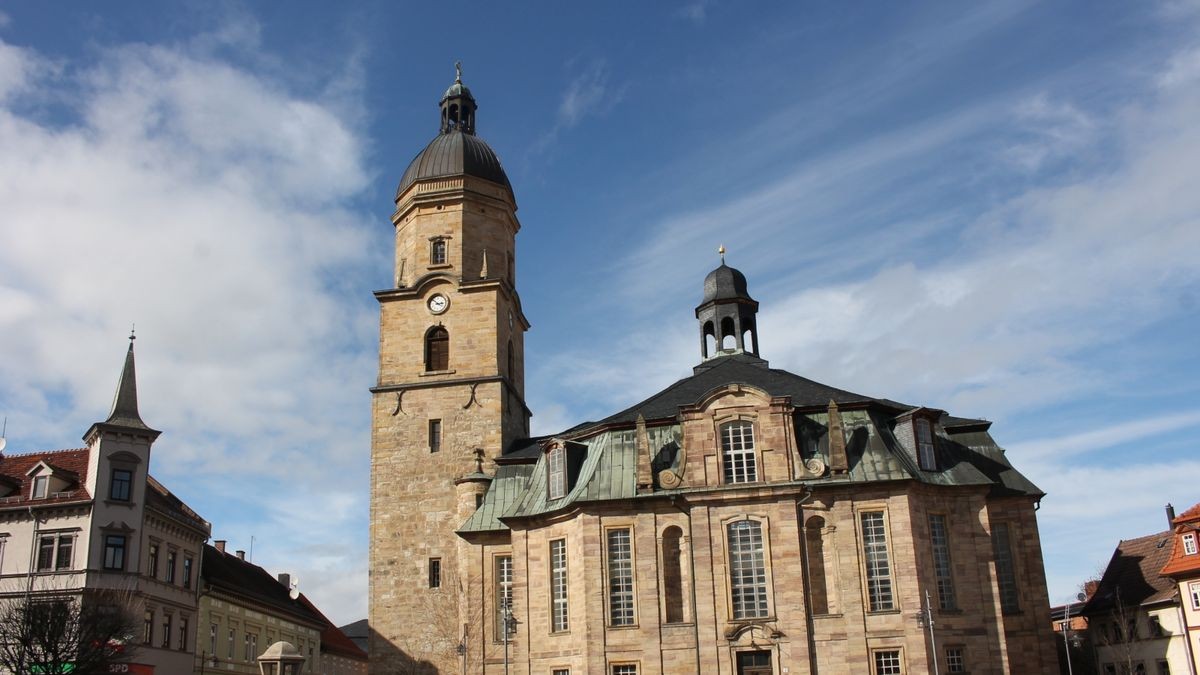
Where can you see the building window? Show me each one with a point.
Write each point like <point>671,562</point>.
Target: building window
<point>1194,591</point>
<point>120,487</point>
<point>45,558</point>
<point>672,552</point>
<point>558,586</point>
<point>1155,625</point>
<point>875,553</point>
<point>114,552</point>
<point>437,252</point>
<point>166,631</point>
<point>1140,669</point>
<point>556,471</point>
<point>229,654</point>
<point>212,639</point>
<point>1006,574</point>
<point>1164,667</point>
<point>437,349</point>
<point>753,663</point>
<point>504,578</point>
<point>620,577</point>
<point>41,485</point>
<point>435,572</point>
<point>737,449</point>
<point>955,662</point>
<point>747,570</point>
<point>187,571</point>
<point>171,567</point>
<point>251,646</point>
<point>152,561</point>
<point>940,541</point>
<point>183,634</point>
<point>887,662</point>
<point>561,671</point>
<point>624,669</point>
<point>926,457</point>
<point>435,435</point>
<point>1189,543</point>
<point>148,627</point>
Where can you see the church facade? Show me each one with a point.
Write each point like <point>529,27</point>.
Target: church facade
<point>744,520</point>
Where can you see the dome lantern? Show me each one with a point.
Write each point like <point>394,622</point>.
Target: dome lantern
<point>727,314</point>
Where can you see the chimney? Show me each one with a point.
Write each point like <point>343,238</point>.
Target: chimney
<point>285,579</point>
<point>219,545</point>
<point>1170,517</point>
<point>241,555</point>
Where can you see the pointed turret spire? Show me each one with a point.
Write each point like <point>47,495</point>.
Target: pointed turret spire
<point>125,406</point>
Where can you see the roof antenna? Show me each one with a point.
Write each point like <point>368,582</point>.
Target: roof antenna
<point>132,333</point>
<point>3,440</point>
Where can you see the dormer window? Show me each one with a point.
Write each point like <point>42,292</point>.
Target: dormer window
<point>1189,543</point>
<point>737,452</point>
<point>556,472</point>
<point>41,486</point>
<point>437,251</point>
<point>926,456</point>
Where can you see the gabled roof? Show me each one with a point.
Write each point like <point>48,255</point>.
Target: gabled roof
<point>1180,563</point>
<point>1132,576</point>
<point>68,464</point>
<point>243,579</point>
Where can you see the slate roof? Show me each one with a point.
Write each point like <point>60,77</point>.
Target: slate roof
<point>454,154</point>
<point>71,464</point>
<point>1132,576</point>
<point>243,579</point>
<point>358,632</point>
<point>967,454</point>
<point>159,498</point>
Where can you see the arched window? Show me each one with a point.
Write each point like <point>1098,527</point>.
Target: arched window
<point>710,344</point>
<point>814,546</point>
<point>437,252</point>
<point>672,560</point>
<point>437,349</point>
<point>728,334</point>
<point>737,452</point>
<point>747,570</point>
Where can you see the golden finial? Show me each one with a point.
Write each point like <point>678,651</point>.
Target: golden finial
<point>721,250</point>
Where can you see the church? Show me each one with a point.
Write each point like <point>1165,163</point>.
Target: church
<point>744,520</point>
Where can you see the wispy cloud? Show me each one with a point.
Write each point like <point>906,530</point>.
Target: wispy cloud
<point>589,93</point>
<point>1069,445</point>
<point>695,11</point>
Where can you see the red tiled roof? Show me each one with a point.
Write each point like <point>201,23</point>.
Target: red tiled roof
<point>1191,514</point>
<point>69,464</point>
<point>332,637</point>
<point>1180,563</point>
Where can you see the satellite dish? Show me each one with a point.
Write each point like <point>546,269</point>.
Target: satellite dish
<point>294,588</point>
<point>3,432</point>
<point>294,593</point>
<point>1081,597</point>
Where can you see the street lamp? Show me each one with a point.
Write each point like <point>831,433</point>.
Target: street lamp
<point>1068,642</point>
<point>207,659</point>
<point>509,623</point>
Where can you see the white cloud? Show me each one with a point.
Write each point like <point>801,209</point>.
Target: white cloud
<point>1106,437</point>
<point>212,205</point>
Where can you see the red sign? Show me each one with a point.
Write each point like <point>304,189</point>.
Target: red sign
<point>131,669</point>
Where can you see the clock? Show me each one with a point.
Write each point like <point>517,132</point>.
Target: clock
<point>438,303</point>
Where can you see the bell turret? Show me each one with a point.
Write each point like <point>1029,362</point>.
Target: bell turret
<point>727,314</point>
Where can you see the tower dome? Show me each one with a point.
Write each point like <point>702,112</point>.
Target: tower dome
<point>727,314</point>
<point>456,150</point>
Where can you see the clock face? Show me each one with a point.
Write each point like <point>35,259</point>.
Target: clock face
<point>438,303</point>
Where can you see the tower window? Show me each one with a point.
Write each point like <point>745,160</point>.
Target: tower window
<point>435,572</point>
<point>435,435</point>
<point>926,457</point>
<point>437,252</point>
<point>558,586</point>
<point>737,449</point>
<point>114,552</point>
<point>437,349</point>
<point>119,487</point>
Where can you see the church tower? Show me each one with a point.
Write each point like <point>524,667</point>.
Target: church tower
<point>450,392</point>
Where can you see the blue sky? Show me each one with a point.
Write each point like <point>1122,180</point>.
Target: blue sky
<point>990,208</point>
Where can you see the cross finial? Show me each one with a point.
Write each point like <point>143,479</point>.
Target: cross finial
<point>721,250</point>
<point>132,333</point>
<point>458,71</point>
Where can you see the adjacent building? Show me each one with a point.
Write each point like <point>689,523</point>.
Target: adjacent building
<point>93,519</point>
<point>743,520</point>
<point>1183,568</point>
<point>1134,620</point>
